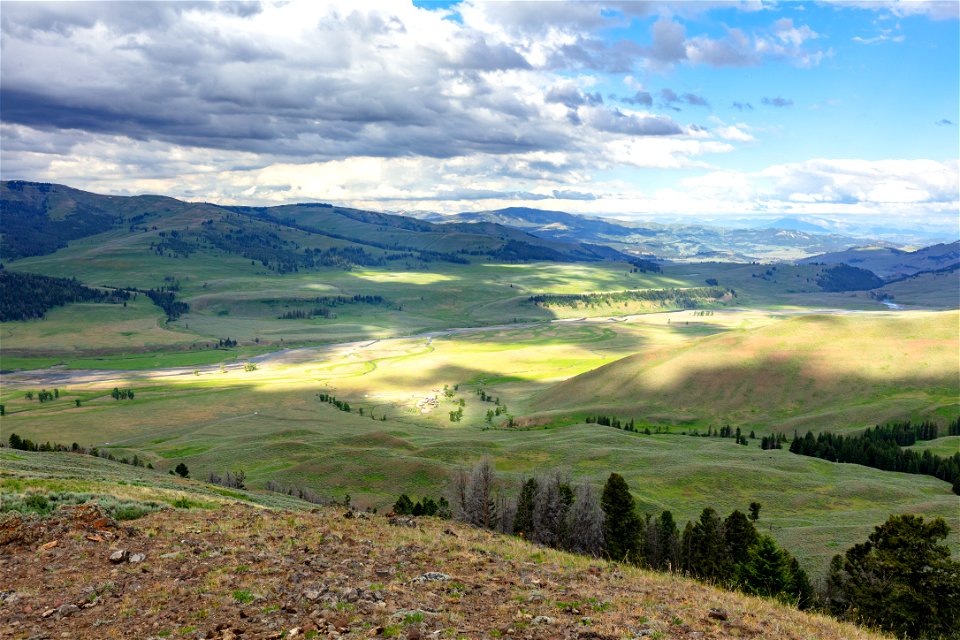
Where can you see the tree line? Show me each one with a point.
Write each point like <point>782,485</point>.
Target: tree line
<point>28,296</point>
<point>326,305</point>
<point>330,399</point>
<point>405,506</point>
<point>167,300</point>
<point>902,580</point>
<point>552,511</point>
<point>680,298</point>
<point>882,448</point>
<point>26,444</point>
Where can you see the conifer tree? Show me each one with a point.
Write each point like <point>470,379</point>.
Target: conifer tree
<point>668,538</point>
<point>709,559</point>
<point>523,522</point>
<point>902,579</point>
<point>739,535</point>
<point>766,569</point>
<point>403,506</point>
<point>622,524</point>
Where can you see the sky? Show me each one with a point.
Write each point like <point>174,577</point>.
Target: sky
<point>704,109</point>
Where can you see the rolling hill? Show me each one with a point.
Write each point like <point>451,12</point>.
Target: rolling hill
<point>890,263</point>
<point>40,219</point>
<point>825,372</point>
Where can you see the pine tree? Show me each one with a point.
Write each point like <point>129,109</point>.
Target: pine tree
<point>766,570</point>
<point>622,524</point>
<point>902,579</point>
<point>668,539</point>
<point>709,559</point>
<point>182,470</point>
<point>739,535</point>
<point>800,590</point>
<point>481,506</point>
<point>523,522</point>
<point>403,506</point>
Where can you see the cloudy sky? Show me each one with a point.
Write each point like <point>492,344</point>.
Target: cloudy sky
<point>627,108</point>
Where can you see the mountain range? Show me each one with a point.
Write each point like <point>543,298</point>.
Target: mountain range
<point>686,242</point>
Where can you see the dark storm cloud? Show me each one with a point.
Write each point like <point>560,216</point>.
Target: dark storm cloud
<point>339,93</point>
<point>118,15</point>
<point>777,102</point>
<point>338,83</point>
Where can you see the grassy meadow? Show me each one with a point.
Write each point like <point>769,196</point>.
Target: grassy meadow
<point>270,423</point>
<point>818,372</point>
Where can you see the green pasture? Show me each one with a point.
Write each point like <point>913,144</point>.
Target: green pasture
<point>818,372</point>
<point>945,446</point>
<point>815,508</point>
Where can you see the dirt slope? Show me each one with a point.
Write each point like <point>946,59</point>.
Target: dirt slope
<point>245,572</point>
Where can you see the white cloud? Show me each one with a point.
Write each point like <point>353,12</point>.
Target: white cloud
<point>734,133</point>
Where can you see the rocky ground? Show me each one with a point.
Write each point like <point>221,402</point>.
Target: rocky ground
<point>244,573</point>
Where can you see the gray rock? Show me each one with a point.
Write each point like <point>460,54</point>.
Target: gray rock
<point>68,610</point>
<point>118,556</point>
<point>137,557</point>
<point>311,595</point>
<point>543,620</point>
<point>431,576</point>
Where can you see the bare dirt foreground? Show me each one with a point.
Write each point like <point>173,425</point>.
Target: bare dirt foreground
<point>243,572</point>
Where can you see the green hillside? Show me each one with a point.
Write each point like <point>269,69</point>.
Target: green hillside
<point>823,372</point>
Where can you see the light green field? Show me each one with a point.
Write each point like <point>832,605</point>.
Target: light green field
<point>814,507</point>
<point>28,472</point>
<point>89,327</point>
<point>819,372</point>
<point>229,297</point>
<point>945,446</point>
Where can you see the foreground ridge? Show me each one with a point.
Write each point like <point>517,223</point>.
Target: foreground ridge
<point>255,573</point>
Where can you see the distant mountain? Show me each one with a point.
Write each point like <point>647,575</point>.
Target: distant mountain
<point>556,223</point>
<point>801,224</point>
<point>41,218</point>
<point>665,241</point>
<point>890,263</point>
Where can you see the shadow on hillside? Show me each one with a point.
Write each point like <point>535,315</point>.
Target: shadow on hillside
<point>776,392</point>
